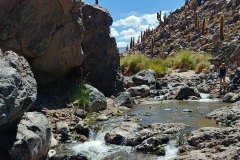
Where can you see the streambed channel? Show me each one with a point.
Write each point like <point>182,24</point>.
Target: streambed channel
<point>191,113</point>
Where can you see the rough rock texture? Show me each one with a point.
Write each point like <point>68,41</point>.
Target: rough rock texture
<point>33,137</point>
<point>235,82</point>
<point>124,99</point>
<point>142,91</point>
<point>132,134</point>
<point>49,33</point>
<point>101,60</point>
<point>97,99</point>
<point>146,77</point>
<point>229,115</point>
<point>231,97</point>
<point>18,88</point>
<point>213,143</point>
<point>185,92</point>
<point>62,128</point>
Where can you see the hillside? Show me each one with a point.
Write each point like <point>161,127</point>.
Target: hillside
<point>196,27</point>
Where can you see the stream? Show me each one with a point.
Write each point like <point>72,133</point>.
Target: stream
<point>164,112</point>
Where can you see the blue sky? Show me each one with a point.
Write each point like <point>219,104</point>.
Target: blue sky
<point>133,16</point>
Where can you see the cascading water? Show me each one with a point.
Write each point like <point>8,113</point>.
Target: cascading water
<point>96,148</point>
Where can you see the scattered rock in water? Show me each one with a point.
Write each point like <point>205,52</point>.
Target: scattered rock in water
<point>124,99</point>
<point>191,98</point>
<point>83,128</point>
<point>81,113</point>
<point>187,110</point>
<point>145,77</point>
<point>185,92</point>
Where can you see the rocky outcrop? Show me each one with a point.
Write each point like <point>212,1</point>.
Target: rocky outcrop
<point>97,99</point>
<point>101,60</point>
<point>146,77</point>
<point>18,88</point>
<point>213,143</point>
<point>228,116</point>
<point>33,137</point>
<point>124,99</point>
<point>57,36</point>
<point>234,85</point>
<point>49,33</point>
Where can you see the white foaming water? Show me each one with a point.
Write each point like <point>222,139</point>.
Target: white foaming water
<point>205,98</point>
<point>171,151</point>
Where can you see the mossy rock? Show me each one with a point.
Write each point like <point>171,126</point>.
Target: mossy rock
<point>163,138</point>
<point>159,150</point>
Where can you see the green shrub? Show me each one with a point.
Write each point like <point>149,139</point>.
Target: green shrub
<point>132,64</point>
<point>184,59</point>
<point>81,95</point>
<point>204,65</point>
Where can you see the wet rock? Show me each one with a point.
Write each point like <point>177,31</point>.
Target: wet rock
<point>83,128</point>
<point>185,92</point>
<point>78,156</point>
<point>146,77</point>
<point>97,99</point>
<point>231,97</point>
<point>193,98</point>
<point>62,128</point>
<point>18,88</point>
<point>142,91</point>
<point>227,115</point>
<point>33,137</point>
<point>168,128</point>
<point>126,134</point>
<point>124,99</point>
<point>187,110</point>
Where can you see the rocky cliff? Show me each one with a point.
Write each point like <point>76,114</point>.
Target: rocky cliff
<point>58,35</point>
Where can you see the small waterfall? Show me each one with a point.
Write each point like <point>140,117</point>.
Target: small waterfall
<point>206,98</point>
<point>171,151</point>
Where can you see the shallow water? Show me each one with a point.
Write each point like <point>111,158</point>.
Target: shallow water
<point>164,112</point>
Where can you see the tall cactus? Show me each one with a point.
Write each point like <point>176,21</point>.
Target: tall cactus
<point>131,43</point>
<point>203,26</point>
<point>185,12</point>
<point>141,37</point>
<point>165,19</point>
<point>221,27</point>
<point>198,23</point>
<point>152,46</point>
<point>96,2</point>
<point>127,48</point>
<point>196,19</point>
<point>188,37</point>
<point>169,23</point>
<point>159,17</point>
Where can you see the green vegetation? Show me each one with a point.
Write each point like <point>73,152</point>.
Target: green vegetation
<point>183,59</point>
<point>132,64</point>
<point>81,95</point>
<point>189,60</point>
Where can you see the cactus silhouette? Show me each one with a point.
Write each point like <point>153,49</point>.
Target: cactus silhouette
<point>221,27</point>
<point>196,19</point>
<point>96,2</point>
<point>203,26</point>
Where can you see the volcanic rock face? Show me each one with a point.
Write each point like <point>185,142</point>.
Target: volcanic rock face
<point>18,88</point>
<point>101,60</point>
<point>50,35</point>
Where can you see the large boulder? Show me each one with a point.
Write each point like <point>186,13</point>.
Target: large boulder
<point>18,88</point>
<point>235,82</point>
<point>142,91</point>
<point>185,92</point>
<point>124,99</point>
<point>97,99</point>
<point>146,77</point>
<point>33,137</point>
<point>48,33</point>
<point>101,57</point>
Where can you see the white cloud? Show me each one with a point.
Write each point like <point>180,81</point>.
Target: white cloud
<point>131,21</point>
<point>127,34</point>
<point>114,32</point>
<point>122,44</point>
